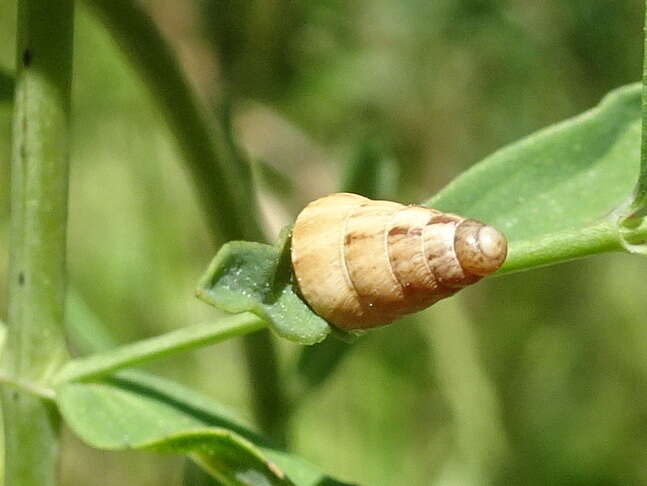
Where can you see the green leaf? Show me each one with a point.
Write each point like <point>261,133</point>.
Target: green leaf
<point>554,194</point>
<point>134,410</point>
<point>257,278</point>
<point>639,206</point>
<point>222,179</point>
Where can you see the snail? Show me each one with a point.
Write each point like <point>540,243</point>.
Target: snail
<point>361,263</point>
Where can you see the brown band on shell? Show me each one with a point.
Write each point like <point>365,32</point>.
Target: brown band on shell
<point>367,262</point>
<point>406,257</point>
<point>362,263</point>
<point>316,260</point>
<point>440,254</point>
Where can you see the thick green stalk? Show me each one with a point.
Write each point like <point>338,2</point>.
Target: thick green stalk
<point>39,177</point>
<point>222,179</point>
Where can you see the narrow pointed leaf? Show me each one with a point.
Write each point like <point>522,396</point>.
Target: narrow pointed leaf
<point>257,278</point>
<point>553,192</point>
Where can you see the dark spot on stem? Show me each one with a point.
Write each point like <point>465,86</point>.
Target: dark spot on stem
<point>21,279</point>
<point>26,58</point>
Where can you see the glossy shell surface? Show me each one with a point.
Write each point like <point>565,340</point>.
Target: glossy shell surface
<point>361,263</point>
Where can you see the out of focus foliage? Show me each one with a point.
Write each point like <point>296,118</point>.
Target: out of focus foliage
<point>537,378</point>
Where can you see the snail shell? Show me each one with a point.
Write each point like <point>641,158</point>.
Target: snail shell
<point>361,263</point>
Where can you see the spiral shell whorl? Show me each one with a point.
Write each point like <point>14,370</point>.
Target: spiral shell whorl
<point>361,263</point>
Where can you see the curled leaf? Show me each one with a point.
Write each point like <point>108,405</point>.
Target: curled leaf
<point>257,278</point>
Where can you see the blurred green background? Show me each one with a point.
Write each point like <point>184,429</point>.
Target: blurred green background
<point>536,378</point>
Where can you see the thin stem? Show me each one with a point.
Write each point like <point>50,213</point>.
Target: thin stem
<point>222,180</point>
<point>270,409</point>
<point>39,178</point>
<point>86,332</point>
<point>28,387</point>
<point>104,363</point>
<point>213,472</point>
<point>479,443</point>
<point>3,338</point>
<point>560,247</point>
<point>6,87</point>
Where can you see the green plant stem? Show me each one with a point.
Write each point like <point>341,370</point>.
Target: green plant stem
<point>272,410</point>
<point>6,87</point>
<point>27,387</point>
<point>639,206</point>
<point>104,363</point>
<point>39,180</point>
<point>479,443</point>
<point>3,338</point>
<point>567,245</point>
<point>222,180</point>
<point>86,332</point>
<point>214,476</point>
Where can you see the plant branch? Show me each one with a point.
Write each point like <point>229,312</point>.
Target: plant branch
<point>220,178</point>
<point>6,87</point>
<point>3,335</point>
<point>563,246</point>
<point>479,443</point>
<point>223,180</point>
<point>104,363</point>
<point>86,332</point>
<point>28,387</point>
<point>39,180</point>
<point>272,411</point>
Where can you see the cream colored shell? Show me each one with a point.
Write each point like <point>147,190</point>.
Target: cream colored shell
<point>361,263</point>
